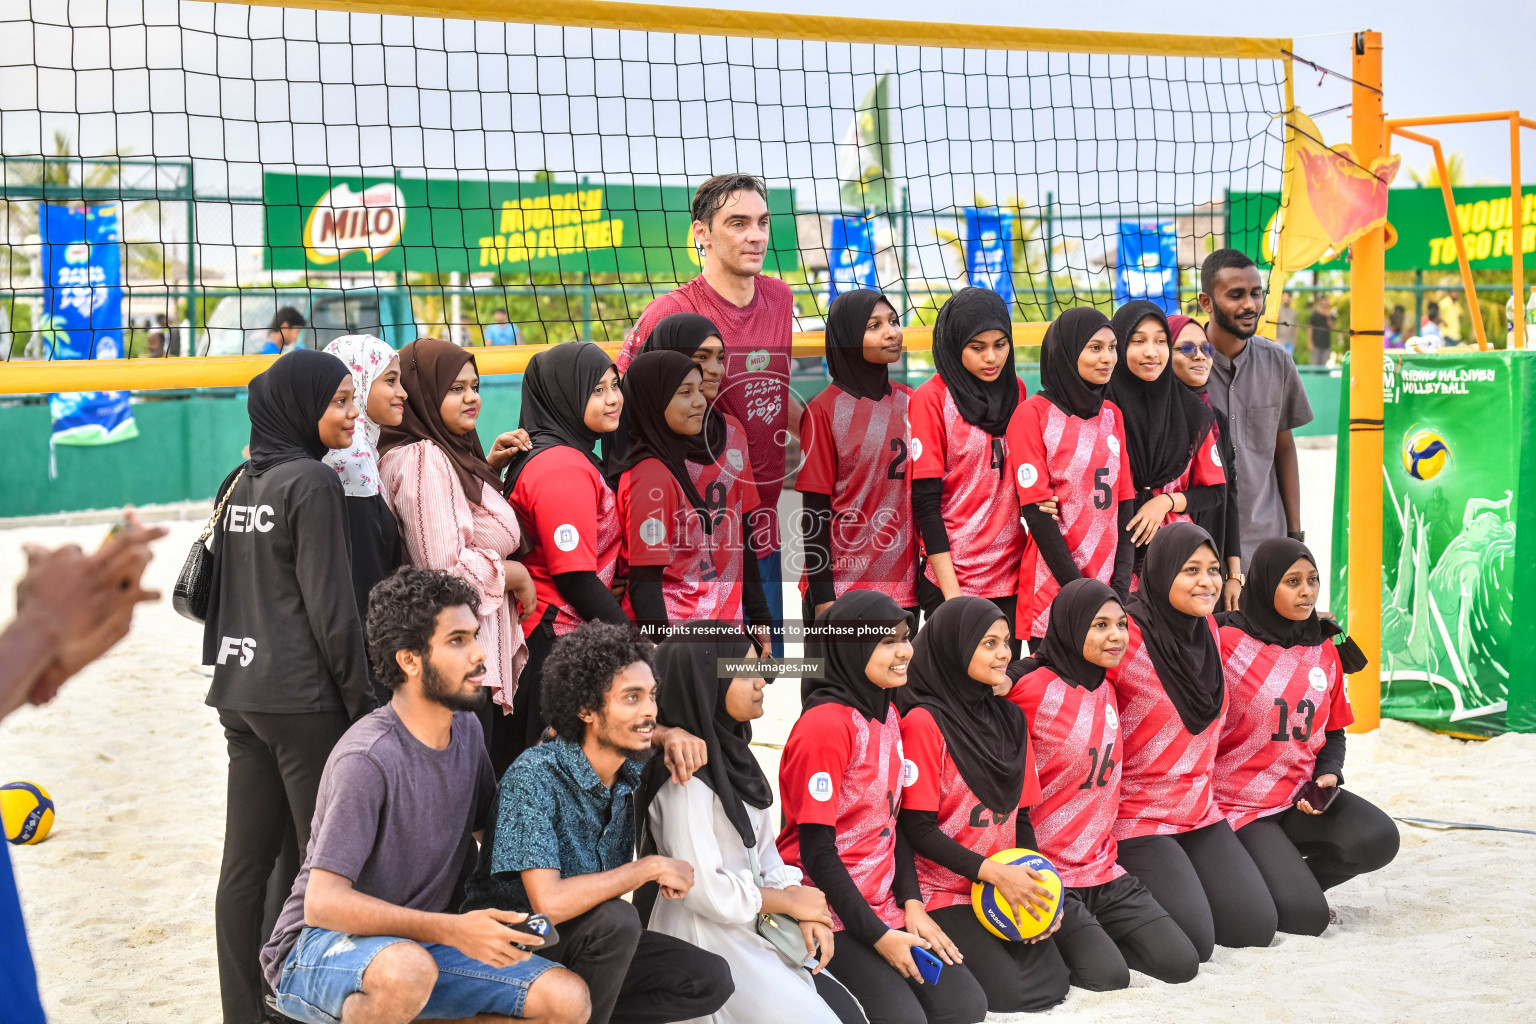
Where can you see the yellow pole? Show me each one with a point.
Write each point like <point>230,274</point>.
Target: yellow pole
<point>1516,234</point>
<point>1367,296</point>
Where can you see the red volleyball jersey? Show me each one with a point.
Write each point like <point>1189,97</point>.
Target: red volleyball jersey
<point>1204,469</point>
<point>1085,465</point>
<point>1076,737</point>
<point>1281,700</point>
<point>931,782</point>
<point>660,527</point>
<point>981,516</point>
<point>730,492</point>
<point>571,519</point>
<point>1165,780</point>
<point>856,450</point>
<point>843,770</point>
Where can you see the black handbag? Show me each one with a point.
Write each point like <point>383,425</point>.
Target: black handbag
<point>195,584</point>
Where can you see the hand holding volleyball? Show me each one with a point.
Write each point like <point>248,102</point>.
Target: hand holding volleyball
<point>1019,897</point>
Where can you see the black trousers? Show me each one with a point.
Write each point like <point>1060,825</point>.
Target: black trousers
<point>1207,883</point>
<point>1300,855</point>
<point>888,998</point>
<point>275,763</point>
<point>507,736</point>
<point>1018,977</point>
<point>929,597</point>
<point>636,976</point>
<point>1109,930</point>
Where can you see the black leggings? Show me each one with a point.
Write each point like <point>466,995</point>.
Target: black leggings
<point>929,597</point>
<point>888,998</point>
<point>275,763</point>
<point>1300,855</point>
<point>1207,883</point>
<point>1111,929</point>
<point>1018,977</point>
<point>507,736</point>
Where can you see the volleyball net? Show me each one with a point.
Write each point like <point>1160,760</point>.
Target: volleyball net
<point>177,175</point>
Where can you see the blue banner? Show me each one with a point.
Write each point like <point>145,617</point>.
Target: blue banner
<point>82,271</point>
<point>989,250</point>
<point>1149,265</point>
<point>851,260</point>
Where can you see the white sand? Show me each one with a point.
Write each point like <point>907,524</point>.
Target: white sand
<point>120,900</point>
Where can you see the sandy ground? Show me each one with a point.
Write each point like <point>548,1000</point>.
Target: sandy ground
<point>120,899</point>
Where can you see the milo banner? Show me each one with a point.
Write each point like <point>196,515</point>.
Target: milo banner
<point>82,271</point>
<point>1458,541</point>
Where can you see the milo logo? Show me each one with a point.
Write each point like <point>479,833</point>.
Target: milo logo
<point>344,221</point>
<point>757,360</point>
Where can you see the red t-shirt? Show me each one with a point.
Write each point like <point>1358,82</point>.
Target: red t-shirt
<point>729,491</point>
<point>980,513</point>
<point>843,770</point>
<point>660,527</point>
<point>931,782</point>
<point>1075,734</point>
<point>1085,465</point>
<point>856,450</point>
<point>1204,470</point>
<point>572,523</point>
<point>1165,780</point>
<point>1281,700</point>
<point>755,388</point>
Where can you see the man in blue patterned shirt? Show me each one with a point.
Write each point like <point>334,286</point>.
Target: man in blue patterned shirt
<point>561,840</point>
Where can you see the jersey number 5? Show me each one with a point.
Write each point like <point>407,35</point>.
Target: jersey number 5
<point>1101,491</point>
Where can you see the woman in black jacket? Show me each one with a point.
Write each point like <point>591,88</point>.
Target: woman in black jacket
<point>283,635</point>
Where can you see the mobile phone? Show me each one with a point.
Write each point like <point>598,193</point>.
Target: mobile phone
<point>928,965</point>
<point>540,925</point>
<point>1318,796</point>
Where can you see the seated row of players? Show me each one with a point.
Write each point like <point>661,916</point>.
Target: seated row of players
<point>1165,766</point>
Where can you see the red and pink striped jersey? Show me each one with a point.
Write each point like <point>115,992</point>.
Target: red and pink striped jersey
<point>1204,470</point>
<point>931,782</point>
<point>1281,700</point>
<point>980,513</point>
<point>730,493</point>
<point>1076,736</point>
<point>1165,781</point>
<point>843,770</point>
<point>1084,464</point>
<point>856,450</point>
<point>660,527</point>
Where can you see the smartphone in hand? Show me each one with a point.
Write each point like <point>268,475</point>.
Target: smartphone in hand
<point>540,925</point>
<point>928,965</point>
<point>1318,796</point>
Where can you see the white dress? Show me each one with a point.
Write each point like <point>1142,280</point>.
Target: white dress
<point>719,913</point>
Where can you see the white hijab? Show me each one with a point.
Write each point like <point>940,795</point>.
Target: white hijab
<point>358,466</point>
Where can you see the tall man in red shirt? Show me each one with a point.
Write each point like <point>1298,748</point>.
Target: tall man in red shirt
<point>755,315</point>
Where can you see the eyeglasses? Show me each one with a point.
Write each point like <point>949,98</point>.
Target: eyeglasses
<point>1187,349</point>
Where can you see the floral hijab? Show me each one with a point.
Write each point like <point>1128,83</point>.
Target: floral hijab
<point>358,466</point>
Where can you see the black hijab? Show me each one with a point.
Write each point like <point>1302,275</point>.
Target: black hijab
<point>845,636</point>
<point>969,312</point>
<point>285,402</point>
<point>652,380</point>
<point>691,696</point>
<point>685,333</point>
<point>846,321</point>
<point>985,734</point>
<point>1183,647</point>
<point>1256,614</point>
<point>1164,420</point>
<point>1060,382</point>
<point>556,387</point>
<point>1061,651</point>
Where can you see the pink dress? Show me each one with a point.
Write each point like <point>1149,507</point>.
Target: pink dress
<point>441,529</point>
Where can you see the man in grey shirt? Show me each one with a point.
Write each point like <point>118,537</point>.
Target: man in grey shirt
<point>1254,383</point>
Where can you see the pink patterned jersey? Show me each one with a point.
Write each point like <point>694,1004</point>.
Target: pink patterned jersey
<point>1076,736</point>
<point>980,512</point>
<point>843,770</point>
<point>1204,470</point>
<point>730,492</point>
<point>1165,780</point>
<point>856,451</point>
<point>660,527</point>
<point>1085,465</point>
<point>931,782</point>
<point>1280,702</point>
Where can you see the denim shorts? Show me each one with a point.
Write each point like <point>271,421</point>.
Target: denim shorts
<point>325,967</point>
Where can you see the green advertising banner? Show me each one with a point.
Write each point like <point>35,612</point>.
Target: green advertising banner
<point>1458,541</point>
<point>341,223</point>
<point>1424,239</point>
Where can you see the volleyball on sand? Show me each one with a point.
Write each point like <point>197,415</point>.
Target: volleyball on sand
<point>1001,919</point>
<point>27,811</point>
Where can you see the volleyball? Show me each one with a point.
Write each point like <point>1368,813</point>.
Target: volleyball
<point>997,917</point>
<point>27,811</point>
<point>1425,454</point>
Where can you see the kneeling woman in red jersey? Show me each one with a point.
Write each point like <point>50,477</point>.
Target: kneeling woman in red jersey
<point>1067,441</point>
<point>840,783</point>
<point>1111,924</point>
<point>1172,699</point>
<point>1285,678</point>
<point>571,399</point>
<point>968,781</point>
<point>854,477</point>
<point>677,569</point>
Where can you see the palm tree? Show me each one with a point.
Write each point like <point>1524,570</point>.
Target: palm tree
<point>1455,169</point>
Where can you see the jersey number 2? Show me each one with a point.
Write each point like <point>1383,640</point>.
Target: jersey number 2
<point>894,470</point>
